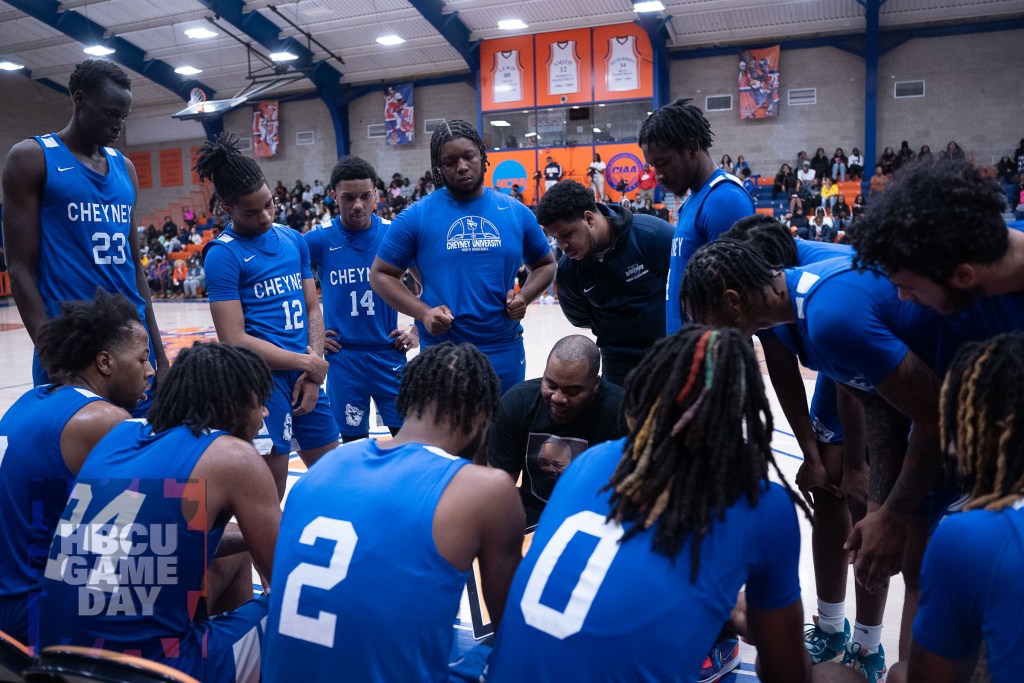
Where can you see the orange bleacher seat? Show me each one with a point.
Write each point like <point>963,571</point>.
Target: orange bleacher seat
<point>766,210</point>
<point>5,284</point>
<point>765,180</point>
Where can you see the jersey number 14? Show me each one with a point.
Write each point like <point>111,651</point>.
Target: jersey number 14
<point>366,301</point>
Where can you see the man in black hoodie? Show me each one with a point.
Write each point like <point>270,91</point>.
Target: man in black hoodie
<point>612,274</point>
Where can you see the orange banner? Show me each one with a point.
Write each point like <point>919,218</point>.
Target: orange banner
<point>265,128</point>
<point>170,168</point>
<point>506,73</point>
<point>506,169</point>
<point>193,157</point>
<point>623,63</point>
<point>759,83</point>
<point>564,69</point>
<point>143,162</point>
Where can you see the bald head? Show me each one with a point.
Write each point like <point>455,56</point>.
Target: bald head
<point>576,348</point>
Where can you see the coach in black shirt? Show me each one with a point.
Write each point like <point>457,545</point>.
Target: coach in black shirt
<point>543,424</point>
<point>612,274</point>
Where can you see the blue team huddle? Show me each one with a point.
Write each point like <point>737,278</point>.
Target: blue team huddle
<point>654,555</point>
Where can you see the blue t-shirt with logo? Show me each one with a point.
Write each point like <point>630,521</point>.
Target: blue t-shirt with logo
<point>468,253</point>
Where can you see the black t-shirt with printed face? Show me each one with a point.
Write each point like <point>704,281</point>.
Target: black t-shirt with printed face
<point>525,440</point>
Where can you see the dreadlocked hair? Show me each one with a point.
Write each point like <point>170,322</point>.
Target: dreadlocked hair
<point>718,266</point>
<point>700,438</point>
<point>982,404</point>
<point>233,174</point>
<point>69,343</point>
<point>210,386</point>
<point>675,125</point>
<point>445,133</point>
<point>455,380</point>
<point>770,239</point>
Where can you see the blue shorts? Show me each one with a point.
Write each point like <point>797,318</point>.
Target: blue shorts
<point>226,648</point>
<point>508,361</point>
<point>356,375</point>
<point>312,430</point>
<point>825,412</point>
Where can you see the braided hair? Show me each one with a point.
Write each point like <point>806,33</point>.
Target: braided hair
<point>210,386</point>
<point>445,133</point>
<point>675,125</point>
<point>70,342</point>
<point>233,174</point>
<point>455,380</point>
<point>700,438</point>
<point>721,265</point>
<point>982,404</point>
<point>768,237</point>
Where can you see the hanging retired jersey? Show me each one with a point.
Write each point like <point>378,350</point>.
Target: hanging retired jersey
<point>563,69</point>
<point>623,72</point>
<point>508,77</point>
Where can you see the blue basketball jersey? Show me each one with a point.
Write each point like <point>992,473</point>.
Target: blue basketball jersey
<point>126,565</point>
<point>469,254</point>
<point>265,274</point>
<point>34,486</point>
<point>852,326</point>
<point>360,589</point>
<point>809,251</point>
<point>709,212</point>
<point>353,310</point>
<point>585,606</point>
<point>85,220</point>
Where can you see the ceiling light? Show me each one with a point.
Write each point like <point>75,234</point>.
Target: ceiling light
<point>512,24</point>
<point>10,66</point>
<point>500,124</point>
<point>390,39</point>
<point>596,129</point>
<point>530,135</point>
<point>98,51</point>
<point>200,33</point>
<point>648,6</point>
<point>282,56</point>
<point>602,105</point>
<point>575,106</point>
<point>188,70</point>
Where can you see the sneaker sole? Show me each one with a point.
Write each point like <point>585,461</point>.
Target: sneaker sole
<point>726,669</point>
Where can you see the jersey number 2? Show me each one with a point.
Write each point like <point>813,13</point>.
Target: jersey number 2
<point>318,630</point>
<point>570,620</point>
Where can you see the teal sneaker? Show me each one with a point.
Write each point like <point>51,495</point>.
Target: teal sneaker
<point>826,647</point>
<point>871,666</point>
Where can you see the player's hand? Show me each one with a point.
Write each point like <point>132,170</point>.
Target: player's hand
<point>331,344</point>
<point>515,305</point>
<point>304,395</point>
<point>405,339</point>
<point>812,478</point>
<point>876,545</point>
<point>316,367</point>
<point>855,484</point>
<point>438,320</point>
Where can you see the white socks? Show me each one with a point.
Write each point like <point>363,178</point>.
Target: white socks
<point>869,637</point>
<point>831,616</point>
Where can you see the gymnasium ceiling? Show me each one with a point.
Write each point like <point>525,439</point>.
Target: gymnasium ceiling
<point>347,29</point>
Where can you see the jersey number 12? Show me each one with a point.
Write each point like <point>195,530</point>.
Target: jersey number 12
<point>293,315</point>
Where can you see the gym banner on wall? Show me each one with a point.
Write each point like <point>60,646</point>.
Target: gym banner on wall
<point>265,128</point>
<point>399,114</point>
<point>759,83</point>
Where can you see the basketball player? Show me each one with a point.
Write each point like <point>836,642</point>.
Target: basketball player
<point>148,514</point>
<point>971,590</point>
<point>675,140</point>
<point>611,277</point>
<point>468,242</point>
<point>640,554</point>
<point>365,347</point>
<point>888,354</point>
<point>378,539</point>
<point>263,298</point>
<point>97,353</point>
<point>938,233</point>
<point>69,206</point>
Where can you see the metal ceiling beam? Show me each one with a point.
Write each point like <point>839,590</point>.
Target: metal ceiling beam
<point>28,46</point>
<point>34,76</point>
<point>66,5</point>
<point>559,25</point>
<point>345,23</point>
<point>451,29</point>
<point>128,55</point>
<point>158,22</point>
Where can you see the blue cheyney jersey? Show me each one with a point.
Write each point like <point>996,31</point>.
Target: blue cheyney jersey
<point>85,220</point>
<point>359,586</point>
<point>971,590</point>
<point>34,486</point>
<point>709,212</point>
<point>853,327</point>
<point>468,253</point>
<point>585,607</point>
<point>265,274</point>
<point>353,310</point>
<point>126,565</point>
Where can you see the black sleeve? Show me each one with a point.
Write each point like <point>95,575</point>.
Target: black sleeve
<point>574,305</point>
<point>506,447</point>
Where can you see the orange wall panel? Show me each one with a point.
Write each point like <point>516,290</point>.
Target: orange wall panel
<point>506,168</point>
<point>623,161</point>
<point>563,67</point>
<point>623,63</point>
<point>506,73</point>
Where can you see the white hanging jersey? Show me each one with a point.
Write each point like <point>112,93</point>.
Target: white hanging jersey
<point>508,77</point>
<point>623,64</point>
<point>563,69</point>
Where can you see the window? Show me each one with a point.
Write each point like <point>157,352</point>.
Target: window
<point>430,124</point>
<point>375,130</point>
<point>802,96</point>
<point>305,137</point>
<point>718,103</point>
<point>244,142</point>
<point>906,89</point>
